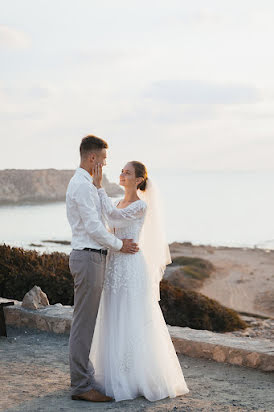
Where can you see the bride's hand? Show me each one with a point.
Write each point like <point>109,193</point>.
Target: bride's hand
<point>97,174</point>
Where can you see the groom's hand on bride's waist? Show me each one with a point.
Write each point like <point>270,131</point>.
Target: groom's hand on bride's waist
<point>129,246</point>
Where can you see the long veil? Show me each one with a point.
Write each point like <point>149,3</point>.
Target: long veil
<point>152,240</point>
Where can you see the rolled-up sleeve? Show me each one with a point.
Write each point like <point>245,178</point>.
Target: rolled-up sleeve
<point>83,197</point>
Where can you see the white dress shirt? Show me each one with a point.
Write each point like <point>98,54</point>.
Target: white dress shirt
<point>85,216</point>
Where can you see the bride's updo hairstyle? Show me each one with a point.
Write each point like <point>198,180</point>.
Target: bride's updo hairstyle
<point>140,171</point>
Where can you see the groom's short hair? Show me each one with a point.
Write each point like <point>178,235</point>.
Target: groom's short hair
<point>92,143</point>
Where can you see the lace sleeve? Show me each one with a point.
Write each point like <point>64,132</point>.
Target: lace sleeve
<point>134,211</point>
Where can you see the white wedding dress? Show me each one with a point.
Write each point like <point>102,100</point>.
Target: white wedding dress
<point>132,352</point>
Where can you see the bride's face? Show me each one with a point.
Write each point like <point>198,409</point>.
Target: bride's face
<point>128,178</point>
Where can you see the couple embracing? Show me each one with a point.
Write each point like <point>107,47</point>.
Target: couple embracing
<point>119,345</point>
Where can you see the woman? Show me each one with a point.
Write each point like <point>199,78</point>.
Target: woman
<point>132,352</point>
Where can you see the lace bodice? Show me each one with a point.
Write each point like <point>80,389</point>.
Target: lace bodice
<point>124,223</point>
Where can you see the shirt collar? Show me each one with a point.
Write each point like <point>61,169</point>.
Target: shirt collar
<point>84,173</point>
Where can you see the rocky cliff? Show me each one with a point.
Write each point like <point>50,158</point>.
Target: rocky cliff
<point>44,185</point>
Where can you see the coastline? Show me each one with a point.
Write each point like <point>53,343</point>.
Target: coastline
<point>39,186</point>
<point>243,279</point>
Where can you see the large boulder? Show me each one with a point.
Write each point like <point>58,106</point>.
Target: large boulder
<point>35,299</point>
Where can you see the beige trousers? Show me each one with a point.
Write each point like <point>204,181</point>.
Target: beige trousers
<point>88,271</point>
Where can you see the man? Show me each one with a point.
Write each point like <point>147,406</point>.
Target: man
<point>90,239</point>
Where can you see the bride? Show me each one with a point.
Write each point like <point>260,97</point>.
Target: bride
<point>132,351</point>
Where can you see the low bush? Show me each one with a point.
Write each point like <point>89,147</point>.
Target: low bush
<point>194,310</point>
<point>190,272</point>
<point>194,267</point>
<point>177,278</point>
<point>21,269</point>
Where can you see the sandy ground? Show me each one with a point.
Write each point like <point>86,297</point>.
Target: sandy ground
<point>243,280</point>
<point>35,378</point>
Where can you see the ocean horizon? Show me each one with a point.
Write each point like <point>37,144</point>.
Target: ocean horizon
<point>211,208</point>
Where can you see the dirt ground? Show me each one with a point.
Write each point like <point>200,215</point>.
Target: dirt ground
<point>243,280</point>
<point>35,377</point>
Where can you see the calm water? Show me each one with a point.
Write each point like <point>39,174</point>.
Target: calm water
<point>233,209</point>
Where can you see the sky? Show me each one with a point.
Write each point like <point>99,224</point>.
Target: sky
<point>179,85</point>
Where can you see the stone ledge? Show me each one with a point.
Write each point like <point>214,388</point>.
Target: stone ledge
<point>53,318</point>
<point>254,353</point>
<point>248,352</point>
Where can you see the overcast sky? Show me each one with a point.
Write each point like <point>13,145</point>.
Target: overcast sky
<point>179,85</point>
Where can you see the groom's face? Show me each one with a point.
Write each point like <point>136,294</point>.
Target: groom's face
<point>101,157</point>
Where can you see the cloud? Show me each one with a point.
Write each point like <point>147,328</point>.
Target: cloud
<point>201,92</point>
<point>40,92</point>
<point>16,94</point>
<point>100,56</point>
<point>12,38</point>
<point>206,17</point>
<point>32,102</point>
<point>165,114</point>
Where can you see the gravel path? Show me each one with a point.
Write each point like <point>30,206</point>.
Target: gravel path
<point>35,378</point>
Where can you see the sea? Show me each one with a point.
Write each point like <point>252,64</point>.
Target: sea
<point>233,209</point>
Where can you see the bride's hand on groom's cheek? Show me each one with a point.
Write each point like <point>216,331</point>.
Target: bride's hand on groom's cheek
<point>97,174</point>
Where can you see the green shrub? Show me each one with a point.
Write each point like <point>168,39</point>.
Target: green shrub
<point>198,263</point>
<point>194,273</point>
<point>21,269</point>
<point>194,310</point>
<point>190,272</point>
<point>177,278</point>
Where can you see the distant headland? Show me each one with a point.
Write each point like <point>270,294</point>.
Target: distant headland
<point>40,185</point>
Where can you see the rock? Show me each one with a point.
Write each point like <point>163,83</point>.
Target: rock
<point>218,354</point>
<point>236,359</point>
<point>253,359</point>
<point>42,185</point>
<point>257,328</point>
<point>35,299</point>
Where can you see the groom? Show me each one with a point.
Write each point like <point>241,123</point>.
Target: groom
<point>90,241</point>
